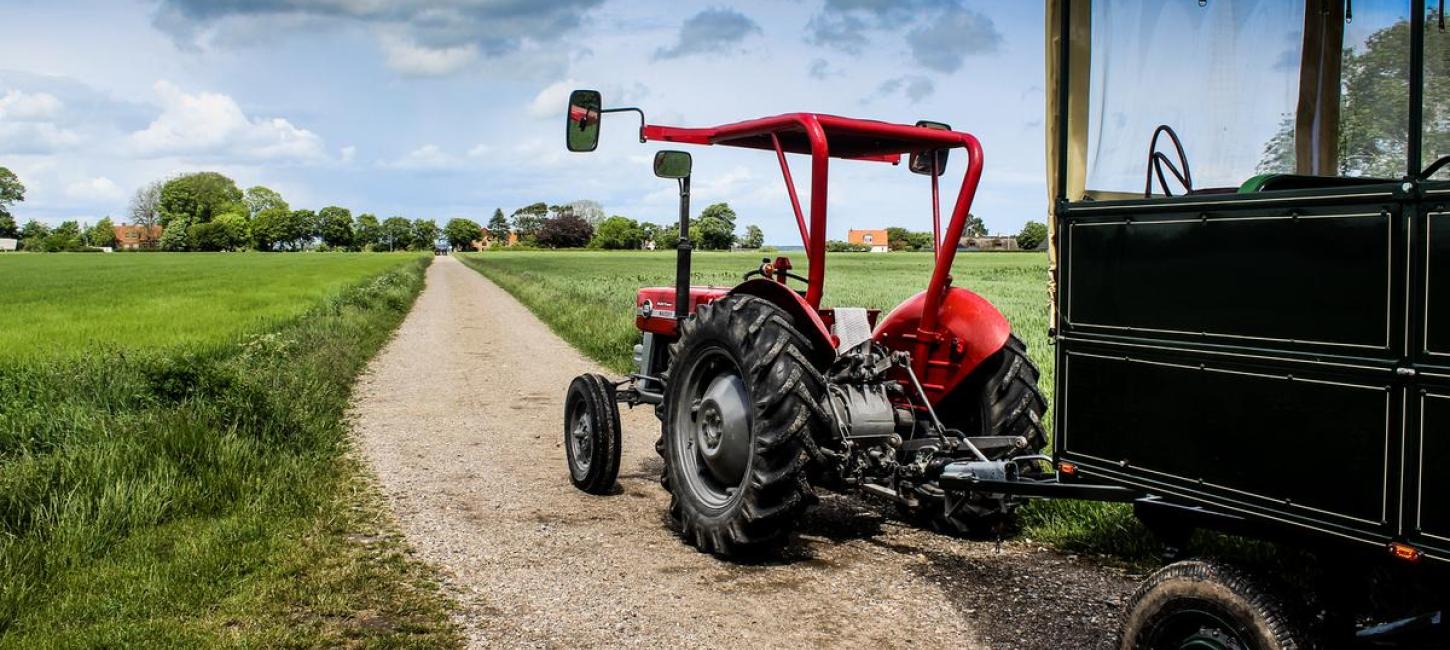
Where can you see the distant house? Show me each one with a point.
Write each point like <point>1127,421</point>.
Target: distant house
<point>990,243</point>
<point>876,239</point>
<point>486,239</point>
<point>133,237</point>
<point>8,245</point>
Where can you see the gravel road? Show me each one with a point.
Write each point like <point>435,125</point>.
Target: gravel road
<point>461,418</point>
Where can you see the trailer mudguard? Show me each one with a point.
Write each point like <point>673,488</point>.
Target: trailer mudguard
<point>970,329</point>
<point>807,320</point>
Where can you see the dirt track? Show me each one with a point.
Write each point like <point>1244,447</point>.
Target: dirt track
<point>461,417</point>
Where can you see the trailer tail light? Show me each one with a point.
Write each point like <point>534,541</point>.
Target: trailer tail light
<point>1067,468</point>
<point>1404,552</point>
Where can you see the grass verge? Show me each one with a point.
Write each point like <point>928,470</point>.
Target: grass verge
<point>205,494</point>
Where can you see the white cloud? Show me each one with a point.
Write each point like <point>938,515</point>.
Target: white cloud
<point>212,123</point>
<point>410,58</point>
<point>16,105</point>
<point>550,101</point>
<point>36,137</point>
<point>96,190</point>
<point>426,157</point>
<point>346,154</point>
<point>480,150</point>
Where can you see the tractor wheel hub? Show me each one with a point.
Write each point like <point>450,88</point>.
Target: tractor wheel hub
<point>722,429</point>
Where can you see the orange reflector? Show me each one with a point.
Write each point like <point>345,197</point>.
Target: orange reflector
<point>1067,468</point>
<point>1404,552</point>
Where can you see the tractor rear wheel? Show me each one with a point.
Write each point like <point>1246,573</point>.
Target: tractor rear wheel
<point>999,398</point>
<point>742,406</point>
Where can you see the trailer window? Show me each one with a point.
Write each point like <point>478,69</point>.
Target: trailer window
<point>1374,118</point>
<point>1226,76</point>
<point>1436,106</point>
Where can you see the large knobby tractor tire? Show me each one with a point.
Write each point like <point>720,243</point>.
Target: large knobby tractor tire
<point>1206,604</point>
<point>999,398</point>
<point>742,406</point>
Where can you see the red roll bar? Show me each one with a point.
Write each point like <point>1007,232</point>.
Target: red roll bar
<point>828,136</point>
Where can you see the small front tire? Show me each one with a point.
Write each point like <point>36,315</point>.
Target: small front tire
<point>591,434</point>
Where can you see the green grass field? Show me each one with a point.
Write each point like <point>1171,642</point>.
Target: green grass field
<point>61,305</point>
<point>174,465</point>
<point>588,299</point>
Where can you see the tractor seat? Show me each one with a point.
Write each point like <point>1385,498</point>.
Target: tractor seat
<point>1272,182</point>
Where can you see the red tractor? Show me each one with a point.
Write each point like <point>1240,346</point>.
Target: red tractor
<point>765,395</point>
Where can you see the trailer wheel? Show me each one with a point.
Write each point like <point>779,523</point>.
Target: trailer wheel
<point>742,405</point>
<point>591,434</point>
<point>1209,605</point>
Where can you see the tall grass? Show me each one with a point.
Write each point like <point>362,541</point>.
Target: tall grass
<point>201,494</point>
<point>588,299</point>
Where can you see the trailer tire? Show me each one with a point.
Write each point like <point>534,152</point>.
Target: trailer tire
<point>742,408</point>
<point>591,434</point>
<point>1210,602</point>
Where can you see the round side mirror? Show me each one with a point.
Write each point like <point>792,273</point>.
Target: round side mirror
<point>672,164</point>
<point>582,133</point>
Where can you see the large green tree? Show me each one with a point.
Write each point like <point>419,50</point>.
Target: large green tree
<point>335,226</point>
<point>197,197</point>
<point>103,234</point>
<point>259,198</point>
<point>528,219</point>
<point>715,227</point>
<point>368,232</point>
<point>271,228</point>
<point>425,235</point>
<point>754,237</point>
<point>302,228</point>
<point>33,234</point>
<point>1032,235</point>
<point>12,191</point>
<point>617,233</point>
<point>396,233</point>
<point>461,232</point>
<point>498,226</point>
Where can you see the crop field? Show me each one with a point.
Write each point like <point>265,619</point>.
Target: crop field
<point>174,466</point>
<point>588,299</point>
<point>62,305</point>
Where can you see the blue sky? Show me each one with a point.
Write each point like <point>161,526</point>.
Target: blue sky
<point>453,108</point>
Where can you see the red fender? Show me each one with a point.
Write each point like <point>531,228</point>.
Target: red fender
<point>970,329</point>
<point>807,320</point>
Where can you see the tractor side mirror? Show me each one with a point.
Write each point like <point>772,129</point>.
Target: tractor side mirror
<point>672,164</point>
<point>582,132</point>
<point>921,162</point>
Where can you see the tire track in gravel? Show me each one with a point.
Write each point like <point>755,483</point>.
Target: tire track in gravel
<point>461,418</point>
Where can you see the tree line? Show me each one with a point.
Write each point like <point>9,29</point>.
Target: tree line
<point>207,211</point>
<point>583,224</point>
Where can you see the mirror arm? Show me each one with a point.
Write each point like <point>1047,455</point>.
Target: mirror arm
<point>627,109</point>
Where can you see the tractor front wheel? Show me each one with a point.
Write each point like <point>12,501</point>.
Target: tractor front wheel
<point>742,405</point>
<point>591,434</point>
